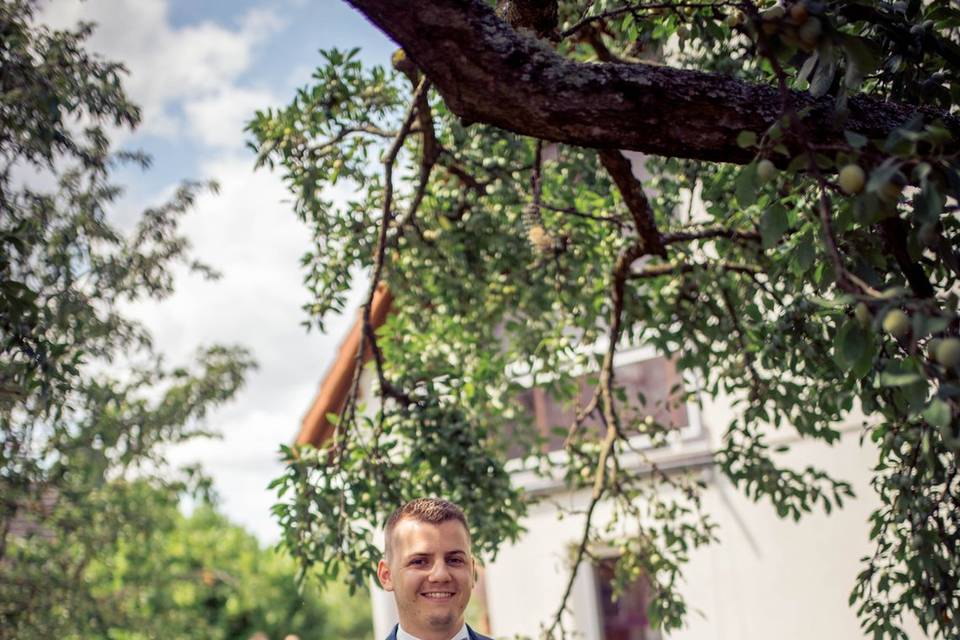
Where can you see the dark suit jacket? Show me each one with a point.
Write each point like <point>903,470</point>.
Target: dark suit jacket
<point>473,634</point>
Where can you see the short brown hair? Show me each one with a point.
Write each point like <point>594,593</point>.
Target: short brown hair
<point>429,510</point>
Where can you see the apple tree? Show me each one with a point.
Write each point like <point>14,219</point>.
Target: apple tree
<point>784,226</point>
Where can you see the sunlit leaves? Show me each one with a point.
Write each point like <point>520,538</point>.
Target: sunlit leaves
<point>779,278</point>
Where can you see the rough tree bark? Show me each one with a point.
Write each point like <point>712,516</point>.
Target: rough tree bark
<point>488,72</point>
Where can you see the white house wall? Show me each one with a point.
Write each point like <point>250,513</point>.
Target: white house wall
<point>767,578</point>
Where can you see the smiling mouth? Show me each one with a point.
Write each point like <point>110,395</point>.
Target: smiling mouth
<point>438,595</point>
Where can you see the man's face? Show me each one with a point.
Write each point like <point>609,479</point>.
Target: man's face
<point>431,575</point>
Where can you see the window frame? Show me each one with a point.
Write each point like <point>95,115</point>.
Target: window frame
<point>683,439</point>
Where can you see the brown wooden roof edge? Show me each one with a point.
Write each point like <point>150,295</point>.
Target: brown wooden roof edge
<point>316,428</point>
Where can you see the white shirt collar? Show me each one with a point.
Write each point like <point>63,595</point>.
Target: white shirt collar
<point>459,635</point>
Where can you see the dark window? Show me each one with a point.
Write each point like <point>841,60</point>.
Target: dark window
<point>650,387</point>
<point>625,618</point>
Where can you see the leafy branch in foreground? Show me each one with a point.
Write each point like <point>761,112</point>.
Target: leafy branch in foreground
<point>790,245</point>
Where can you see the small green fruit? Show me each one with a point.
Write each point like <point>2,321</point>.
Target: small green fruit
<point>852,178</point>
<point>863,315</point>
<point>766,171</point>
<point>733,19</point>
<point>683,32</point>
<point>896,323</point>
<point>948,352</point>
<point>932,347</point>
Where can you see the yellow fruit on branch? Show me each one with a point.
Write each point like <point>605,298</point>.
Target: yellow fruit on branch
<point>766,171</point>
<point>948,352</point>
<point>852,178</point>
<point>896,323</point>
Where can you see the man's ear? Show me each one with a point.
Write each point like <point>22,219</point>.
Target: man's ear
<point>383,574</point>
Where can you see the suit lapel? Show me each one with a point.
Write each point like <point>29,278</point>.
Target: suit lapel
<point>473,634</point>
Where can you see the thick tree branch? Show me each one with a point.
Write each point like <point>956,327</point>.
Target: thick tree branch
<point>488,72</point>
<point>631,190</point>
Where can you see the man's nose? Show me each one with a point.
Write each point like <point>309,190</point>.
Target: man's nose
<point>439,572</point>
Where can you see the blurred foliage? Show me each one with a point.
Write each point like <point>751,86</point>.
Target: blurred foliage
<point>828,289</point>
<point>166,575</point>
<point>87,406</point>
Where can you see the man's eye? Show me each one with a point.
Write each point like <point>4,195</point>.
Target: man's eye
<point>457,561</point>
<point>418,561</point>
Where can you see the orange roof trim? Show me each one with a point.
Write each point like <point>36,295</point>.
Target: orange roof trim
<point>316,428</point>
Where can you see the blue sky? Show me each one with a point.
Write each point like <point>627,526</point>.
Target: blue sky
<point>199,69</point>
<point>279,63</point>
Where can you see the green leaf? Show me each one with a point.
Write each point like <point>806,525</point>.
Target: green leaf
<point>928,203</point>
<point>864,365</point>
<point>850,344</point>
<point>924,325</point>
<point>862,60</point>
<point>826,70</point>
<point>899,374</point>
<point>937,413</point>
<point>803,255</point>
<point>746,139</point>
<point>773,224</point>
<point>745,186</point>
<point>807,68</point>
<point>883,174</point>
<point>856,140</point>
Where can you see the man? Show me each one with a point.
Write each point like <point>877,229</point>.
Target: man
<point>428,566</point>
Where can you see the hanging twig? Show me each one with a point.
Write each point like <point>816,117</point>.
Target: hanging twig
<point>347,413</point>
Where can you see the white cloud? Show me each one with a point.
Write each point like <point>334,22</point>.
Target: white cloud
<point>218,120</point>
<point>193,85</point>
<point>169,67</point>
<point>256,241</point>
